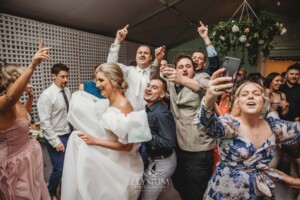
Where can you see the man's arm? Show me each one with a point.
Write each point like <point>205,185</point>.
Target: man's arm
<point>197,84</point>
<point>159,55</point>
<point>113,55</point>
<point>214,62</point>
<point>44,111</point>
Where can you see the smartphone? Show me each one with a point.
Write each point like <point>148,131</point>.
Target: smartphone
<point>232,67</point>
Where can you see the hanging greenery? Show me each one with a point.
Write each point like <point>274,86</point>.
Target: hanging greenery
<point>254,36</point>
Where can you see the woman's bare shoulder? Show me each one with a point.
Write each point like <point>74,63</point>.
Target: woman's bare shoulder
<point>124,105</point>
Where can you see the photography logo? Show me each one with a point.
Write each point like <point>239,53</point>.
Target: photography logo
<point>151,180</point>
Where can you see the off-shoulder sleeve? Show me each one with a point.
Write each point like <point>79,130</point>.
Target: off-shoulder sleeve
<point>284,130</point>
<point>208,123</point>
<point>132,128</point>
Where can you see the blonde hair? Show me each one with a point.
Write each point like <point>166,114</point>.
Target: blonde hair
<point>239,89</point>
<point>114,74</point>
<point>9,73</point>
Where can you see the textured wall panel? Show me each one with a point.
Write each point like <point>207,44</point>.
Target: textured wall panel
<point>81,51</point>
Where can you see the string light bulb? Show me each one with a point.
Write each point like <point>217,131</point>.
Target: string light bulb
<point>278,2</point>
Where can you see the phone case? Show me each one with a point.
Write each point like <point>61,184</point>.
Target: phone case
<point>232,66</point>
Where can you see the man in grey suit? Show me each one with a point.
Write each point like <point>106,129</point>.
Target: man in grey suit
<point>194,153</point>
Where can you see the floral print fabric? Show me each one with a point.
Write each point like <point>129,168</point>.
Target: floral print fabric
<point>243,171</point>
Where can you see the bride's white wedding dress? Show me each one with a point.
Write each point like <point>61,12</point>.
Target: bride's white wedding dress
<point>93,172</point>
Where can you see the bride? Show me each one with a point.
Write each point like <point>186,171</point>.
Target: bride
<point>102,159</point>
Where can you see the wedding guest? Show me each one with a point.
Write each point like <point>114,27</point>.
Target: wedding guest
<point>246,142</point>
<point>277,97</point>
<point>162,158</point>
<point>90,87</point>
<point>199,56</point>
<point>194,154</point>
<point>21,160</point>
<point>292,90</point>
<point>53,105</point>
<point>102,159</point>
<point>136,76</point>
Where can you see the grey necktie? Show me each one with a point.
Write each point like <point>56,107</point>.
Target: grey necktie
<point>67,104</point>
<point>66,99</point>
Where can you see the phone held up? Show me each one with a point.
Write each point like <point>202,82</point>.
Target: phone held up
<point>232,67</point>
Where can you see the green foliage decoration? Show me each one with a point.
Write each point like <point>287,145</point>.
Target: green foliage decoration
<point>252,36</point>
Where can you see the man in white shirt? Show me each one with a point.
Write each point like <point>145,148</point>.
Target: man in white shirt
<point>138,76</point>
<point>53,105</point>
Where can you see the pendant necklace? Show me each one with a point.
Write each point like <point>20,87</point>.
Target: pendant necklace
<point>255,133</point>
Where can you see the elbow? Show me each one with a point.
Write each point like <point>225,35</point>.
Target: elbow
<point>127,147</point>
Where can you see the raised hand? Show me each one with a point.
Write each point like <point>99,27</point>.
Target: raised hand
<point>203,30</point>
<point>216,87</point>
<point>29,90</point>
<point>121,34</point>
<point>160,52</point>
<point>40,55</point>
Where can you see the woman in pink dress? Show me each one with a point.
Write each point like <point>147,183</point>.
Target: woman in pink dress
<point>21,162</point>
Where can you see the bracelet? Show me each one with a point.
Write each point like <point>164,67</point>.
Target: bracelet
<point>209,44</point>
<point>208,109</point>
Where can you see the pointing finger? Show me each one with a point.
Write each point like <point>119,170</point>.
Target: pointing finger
<point>41,45</point>
<point>201,23</point>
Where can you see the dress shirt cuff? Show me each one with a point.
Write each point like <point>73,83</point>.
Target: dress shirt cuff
<point>211,51</point>
<point>54,140</point>
<point>115,47</point>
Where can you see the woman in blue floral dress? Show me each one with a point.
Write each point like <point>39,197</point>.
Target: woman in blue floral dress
<point>246,142</point>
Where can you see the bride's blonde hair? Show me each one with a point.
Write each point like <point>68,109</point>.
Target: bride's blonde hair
<point>114,74</point>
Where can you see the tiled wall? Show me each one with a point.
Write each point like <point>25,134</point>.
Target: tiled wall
<point>81,51</point>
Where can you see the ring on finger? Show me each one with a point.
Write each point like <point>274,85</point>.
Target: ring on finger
<point>217,89</point>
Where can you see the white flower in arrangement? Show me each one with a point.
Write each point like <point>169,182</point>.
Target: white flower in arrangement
<point>281,25</point>
<point>222,38</point>
<point>247,45</point>
<point>235,28</point>
<point>247,30</point>
<point>261,41</point>
<point>283,31</point>
<point>277,24</point>
<point>214,34</point>
<point>243,39</point>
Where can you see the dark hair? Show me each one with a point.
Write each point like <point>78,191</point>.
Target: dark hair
<point>181,56</point>
<point>164,83</point>
<point>270,78</point>
<point>145,45</point>
<point>256,78</point>
<point>295,66</point>
<point>201,51</point>
<point>56,68</point>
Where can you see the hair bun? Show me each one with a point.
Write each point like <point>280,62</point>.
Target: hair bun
<point>124,86</point>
